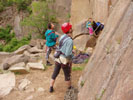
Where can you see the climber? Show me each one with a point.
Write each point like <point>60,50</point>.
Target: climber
<point>65,59</point>
<point>94,27</point>
<point>51,38</point>
<point>89,26</point>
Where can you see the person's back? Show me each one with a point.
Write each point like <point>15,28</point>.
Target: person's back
<point>51,38</point>
<point>67,47</point>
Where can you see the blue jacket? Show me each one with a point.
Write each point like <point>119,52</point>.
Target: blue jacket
<point>50,38</point>
<point>67,47</point>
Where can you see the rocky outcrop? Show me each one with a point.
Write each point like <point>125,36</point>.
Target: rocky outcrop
<point>27,53</point>
<point>99,10</point>
<point>63,9</point>
<point>108,75</point>
<point>11,17</point>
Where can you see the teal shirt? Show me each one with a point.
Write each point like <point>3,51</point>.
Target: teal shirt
<point>88,24</point>
<point>50,38</point>
<point>67,46</point>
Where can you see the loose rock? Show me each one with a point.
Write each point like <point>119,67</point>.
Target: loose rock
<point>7,83</point>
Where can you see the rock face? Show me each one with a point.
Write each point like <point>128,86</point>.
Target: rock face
<point>7,83</point>
<point>81,10</point>
<point>109,72</point>
<point>62,8</point>
<point>11,17</point>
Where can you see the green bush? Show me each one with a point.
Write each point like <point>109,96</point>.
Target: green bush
<point>79,68</point>
<point>1,7</point>
<point>5,33</point>
<point>12,43</point>
<point>6,3</point>
<point>1,47</point>
<point>22,4</point>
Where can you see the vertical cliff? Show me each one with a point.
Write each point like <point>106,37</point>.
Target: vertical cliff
<point>81,10</point>
<point>109,72</point>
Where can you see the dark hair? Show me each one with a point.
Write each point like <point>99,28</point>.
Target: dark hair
<point>49,25</point>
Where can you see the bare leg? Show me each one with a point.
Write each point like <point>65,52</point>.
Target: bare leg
<point>52,83</point>
<point>68,84</point>
<point>55,74</point>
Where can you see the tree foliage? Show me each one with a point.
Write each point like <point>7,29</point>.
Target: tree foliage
<point>40,17</point>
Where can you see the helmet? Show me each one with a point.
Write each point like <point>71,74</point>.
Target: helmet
<point>66,27</point>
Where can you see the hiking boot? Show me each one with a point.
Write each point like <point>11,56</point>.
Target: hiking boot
<point>51,89</point>
<point>48,63</point>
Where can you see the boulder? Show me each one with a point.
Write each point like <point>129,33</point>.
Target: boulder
<point>20,68</point>
<point>33,43</point>
<point>26,53</point>
<point>34,59</point>
<point>91,41</point>
<point>22,49</point>
<point>4,55</point>
<point>29,98</point>
<point>35,50</point>
<point>40,89</point>
<point>7,83</point>
<point>29,90</point>
<point>39,43</point>
<point>21,64</point>
<point>6,66</point>
<point>7,54</point>
<point>16,59</point>
<point>23,84</point>
<point>35,66</point>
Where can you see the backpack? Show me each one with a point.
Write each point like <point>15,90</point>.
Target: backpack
<point>58,52</point>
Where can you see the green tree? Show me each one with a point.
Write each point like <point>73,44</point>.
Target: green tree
<point>40,17</point>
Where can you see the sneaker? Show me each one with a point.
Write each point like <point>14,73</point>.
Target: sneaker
<point>51,89</point>
<point>48,63</point>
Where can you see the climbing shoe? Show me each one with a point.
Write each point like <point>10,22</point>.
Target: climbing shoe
<point>51,89</point>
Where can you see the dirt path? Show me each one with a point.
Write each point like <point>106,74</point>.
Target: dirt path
<point>38,79</point>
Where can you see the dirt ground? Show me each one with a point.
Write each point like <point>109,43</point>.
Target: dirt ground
<point>41,78</point>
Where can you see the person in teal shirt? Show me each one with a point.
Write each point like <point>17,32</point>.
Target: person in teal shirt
<point>51,38</point>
